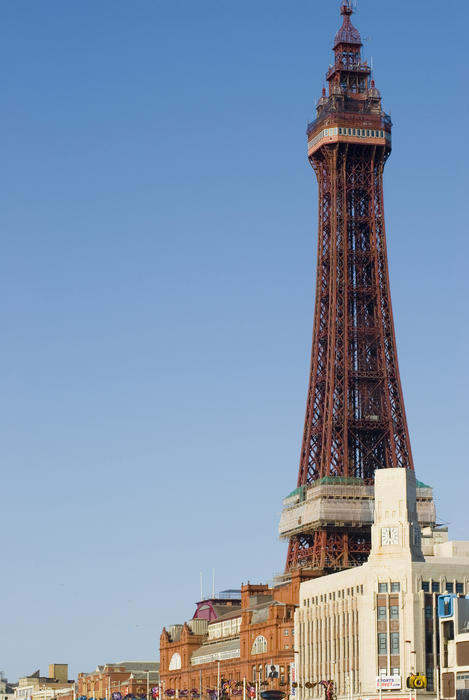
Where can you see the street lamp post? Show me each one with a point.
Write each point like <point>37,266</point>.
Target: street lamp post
<point>296,665</point>
<point>414,668</point>
<point>412,665</point>
<point>408,642</point>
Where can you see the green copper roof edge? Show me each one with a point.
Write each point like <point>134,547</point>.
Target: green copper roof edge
<point>350,480</point>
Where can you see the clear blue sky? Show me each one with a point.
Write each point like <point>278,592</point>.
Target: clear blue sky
<point>158,219</point>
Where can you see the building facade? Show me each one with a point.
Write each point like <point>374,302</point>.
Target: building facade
<point>380,620</point>
<point>238,648</point>
<point>39,687</point>
<point>453,612</point>
<point>7,690</point>
<point>136,678</point>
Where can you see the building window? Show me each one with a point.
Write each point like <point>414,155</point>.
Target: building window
<point>260,645</point>
<point>394,612</point>
<point>459,587</point>
<point>382,643</point>
<point>450,587</point>
<point>382,588</point>
<point>426,586</point>
<point>381,612</point>
<point>395,587</point>
<point>285,633</point>
<point>428,612</point>
<point>175,662</point>
<point>435,586</point>
<point>394,642</point>
<point>395,672</point>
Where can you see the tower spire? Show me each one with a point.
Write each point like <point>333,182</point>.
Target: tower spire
<point>347,34</point>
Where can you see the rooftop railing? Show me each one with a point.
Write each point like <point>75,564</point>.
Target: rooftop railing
<point>354,67</point>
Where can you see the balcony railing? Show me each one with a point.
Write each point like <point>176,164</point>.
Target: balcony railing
<point>353,68</point>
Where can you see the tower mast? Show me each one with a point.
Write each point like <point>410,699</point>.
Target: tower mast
<point>355,418</point>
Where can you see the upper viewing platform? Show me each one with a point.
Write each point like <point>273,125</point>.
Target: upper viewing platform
<point>352,100</point>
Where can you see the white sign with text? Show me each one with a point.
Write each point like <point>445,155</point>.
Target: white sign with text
<point>388,682</point>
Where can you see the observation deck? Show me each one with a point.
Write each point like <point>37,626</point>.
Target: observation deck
<point>348,134</point>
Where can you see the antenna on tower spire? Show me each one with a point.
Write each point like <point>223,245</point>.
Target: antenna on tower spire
<point>351,5</point>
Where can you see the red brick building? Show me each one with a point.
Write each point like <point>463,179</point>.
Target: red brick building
<point>233,643</point>
<point>127,678</point>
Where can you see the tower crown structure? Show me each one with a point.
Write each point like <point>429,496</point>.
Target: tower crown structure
<point>355,419</point>
<point>347,34</point>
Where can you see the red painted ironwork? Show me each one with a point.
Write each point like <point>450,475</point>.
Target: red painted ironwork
<point>355,418</point>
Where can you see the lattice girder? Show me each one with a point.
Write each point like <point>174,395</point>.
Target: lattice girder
<point>355,419</point>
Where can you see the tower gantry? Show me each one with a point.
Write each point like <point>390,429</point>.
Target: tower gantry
<point>355,418</point>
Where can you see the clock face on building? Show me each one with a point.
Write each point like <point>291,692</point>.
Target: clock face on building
<point>389,535</point>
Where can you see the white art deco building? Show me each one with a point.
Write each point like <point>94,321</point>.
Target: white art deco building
<point>380,620</point>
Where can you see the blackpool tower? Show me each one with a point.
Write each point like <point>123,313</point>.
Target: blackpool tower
<point>355,417</point>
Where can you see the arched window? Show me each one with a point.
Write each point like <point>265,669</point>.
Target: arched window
<point>260,645</point>
<point>175,662</point>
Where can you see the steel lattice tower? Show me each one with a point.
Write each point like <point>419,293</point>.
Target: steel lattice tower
<point>355,418</point>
